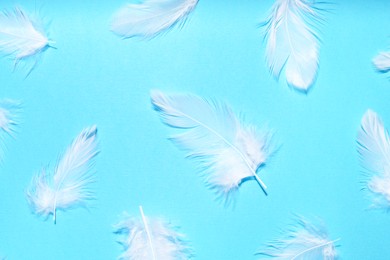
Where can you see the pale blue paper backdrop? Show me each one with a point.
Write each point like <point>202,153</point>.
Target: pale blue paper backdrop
<point>94,77</point>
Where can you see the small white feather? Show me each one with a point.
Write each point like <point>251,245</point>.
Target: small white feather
<point>374,150</point>
<point>228,151</point>
<point>21,36</point>
<point>9,119</point>
<point>292,42</point>
<point>68,186</point>
<point>151,239</point>
<point>382,61</point>
<point>151,17</point>
<point>303,241</point>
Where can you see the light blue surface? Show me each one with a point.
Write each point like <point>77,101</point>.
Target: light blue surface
<point>94,77</point>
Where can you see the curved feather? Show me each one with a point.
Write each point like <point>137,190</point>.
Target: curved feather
<point>228,151</point>
<point>304,241</point>
<point>151,17</point>
<point>382,61</point>
<point>374,150</point>
<point>9,119</point>
<point>21,36</point>
<point>373,143</point>
<point>151,239</point>
<point>292,42</point>
<point>68,185</point>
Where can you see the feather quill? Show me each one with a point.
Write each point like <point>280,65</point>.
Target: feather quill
<point>151,239</point>
<point>22,37</point>
<point>68,185</point>
<point>374,150</point>
<point>9,119</point>
<point>151,17</point>
<point>382,61</point>
<point>303,241</point>
<point>292,42</point>
<point>228,151</point>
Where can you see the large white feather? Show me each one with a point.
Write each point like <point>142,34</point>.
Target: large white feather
<point>151,17</point>
<point>151,239</point>
<point>228,151</point>
<point>303,241</point>
<point>9,118</point>
<point>292,42</point>
<point>68,185</point>
<point>21,36</point>
<point>374,150</point>
<point>382,61</point>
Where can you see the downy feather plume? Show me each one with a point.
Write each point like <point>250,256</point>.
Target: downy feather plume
<point>22,37</point>
<point>382,61</point>
<point>292,42</point>
<point>374,150</point>
<point>151,239</point>
<point>9,119</point>
<point>151,17</point>
<point>305,241</point>
<point>228,151</point>
<point>67,186</point>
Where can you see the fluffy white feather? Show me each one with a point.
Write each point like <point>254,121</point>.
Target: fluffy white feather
<point>151,239</point>
<point>150,17</point>
<point>303,241</point>
<point>228,151</point>
<point>68,185</point>
<point>382,61</point>
<point>292,42</point>
<point>374,150</point>
<point>22,36</point>
<point>9,118</point>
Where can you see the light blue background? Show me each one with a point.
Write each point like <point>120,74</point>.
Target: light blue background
<point>94,77</point>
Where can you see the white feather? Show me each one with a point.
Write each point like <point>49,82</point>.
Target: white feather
<point>9,118</point>
<point>151,239</point>
<point>151,17</point>
<point>303,241</point>
<point>374,150</point>
<point>382,61</point>
<point>68,185</point>
<point>228,151</point>
<point>292,42</point>
<point>21,36</point>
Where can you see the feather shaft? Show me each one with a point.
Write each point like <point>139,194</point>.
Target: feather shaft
<point>147,232</point>
<point>315,247</point>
